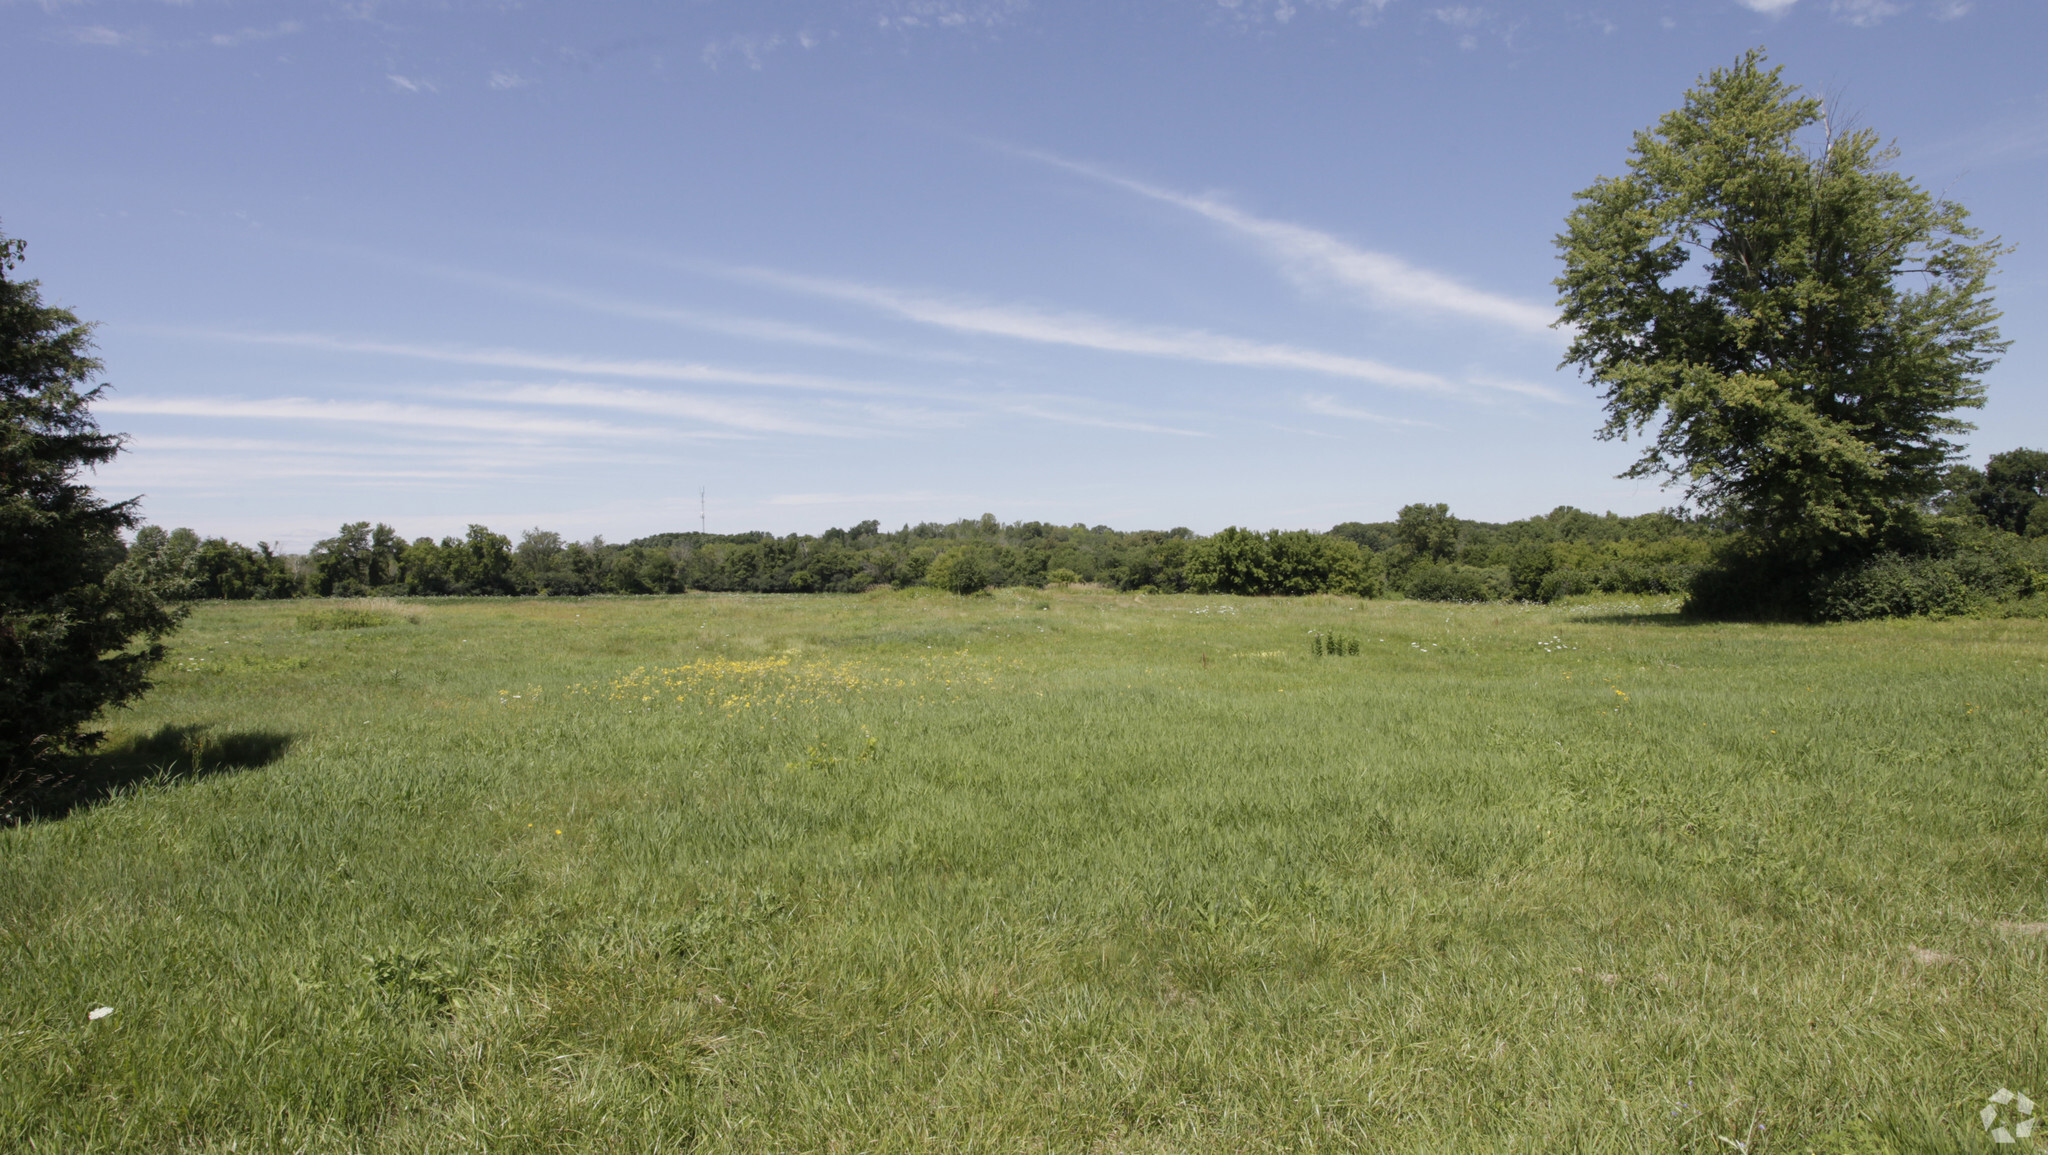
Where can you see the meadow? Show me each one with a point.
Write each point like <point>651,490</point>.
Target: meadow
<point>1038,871</point>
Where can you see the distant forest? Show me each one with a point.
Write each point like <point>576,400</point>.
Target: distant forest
<point>1425,552</point>
<point>1989,541</point>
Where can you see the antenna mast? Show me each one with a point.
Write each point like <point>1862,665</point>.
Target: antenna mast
<point>702,521</point>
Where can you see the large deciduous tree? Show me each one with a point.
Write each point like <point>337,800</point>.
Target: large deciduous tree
<point>2014,496</point>
<point>1793,324</point>
<point>77,632</point>
<point>1429,531</point>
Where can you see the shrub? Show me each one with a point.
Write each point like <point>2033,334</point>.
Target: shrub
<point>1316,563</point>
<point>1956,567</point>
<point>1240,561</point>
<point>1561,583</point>
<point>1431,582</point>
<point>961,570</point>
<point>1895,586</point>
<point>1617,577</point>
<point>1061,577</point>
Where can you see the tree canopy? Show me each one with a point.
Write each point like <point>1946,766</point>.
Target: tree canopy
<point>1792,324</point>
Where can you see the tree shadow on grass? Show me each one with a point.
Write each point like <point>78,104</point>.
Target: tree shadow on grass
<point>1679,619</point>
<point>1671,620</point>
<point>171,754</point>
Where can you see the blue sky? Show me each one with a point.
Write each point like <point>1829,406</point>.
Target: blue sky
<point>1158,263</point>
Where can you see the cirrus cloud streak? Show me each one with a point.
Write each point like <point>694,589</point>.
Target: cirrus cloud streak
<point>542,428</point>
<point>1081,330</point>
<point>502,358</point>
<point>1312,256</point>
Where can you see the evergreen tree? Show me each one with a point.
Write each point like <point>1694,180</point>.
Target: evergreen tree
<point>77,634</point>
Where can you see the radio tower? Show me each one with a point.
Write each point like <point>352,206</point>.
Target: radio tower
<point>702,522</point>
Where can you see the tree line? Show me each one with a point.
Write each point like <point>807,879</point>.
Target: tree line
<point>1424,552</point>
<point>1991,523</point>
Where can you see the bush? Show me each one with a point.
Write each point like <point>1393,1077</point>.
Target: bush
<point>1895,586</point>
<point>961,570</point>
<point>1955,565</point>
<point>1562,583</point>
<point>1618,577</point>
<point>1431,582</point>
<point>1240,561</point>
<point>1061,577</point>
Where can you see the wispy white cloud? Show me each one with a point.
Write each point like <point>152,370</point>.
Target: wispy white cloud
<point>1083,331</point>
<point>400,446</point>
<point>1324,405</point>
<point>1864,13</point>
<point>556,363</point>
<point>1067,417</point>
<point>1768,7</point>
<point>411,416</point>
<point>252,35</point>
<point>204,472</point>
<point>1515,385</point>
<point>954,14</point>
<point>410,84</point>
<point>752,328</point>
<point>1314,257</point>
<point>230,464</point>
<point>577,395</point>
<point>749,50</point>
<point>1298,431</point>
<point>101,36</point>
<point>868,417</point>
<point>908,497</point>
<point>1254,13</point>
<point>503,80</point>
<point>1466,20</point>
<point>861,420</point>
<point>892,417</point>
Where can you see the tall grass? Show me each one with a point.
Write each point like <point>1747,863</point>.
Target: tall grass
<point>1068,871</point>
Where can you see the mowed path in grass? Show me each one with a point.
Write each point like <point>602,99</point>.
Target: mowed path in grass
<point>1041,871</point>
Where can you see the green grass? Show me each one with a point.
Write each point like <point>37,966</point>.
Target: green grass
<point>1070,871</point>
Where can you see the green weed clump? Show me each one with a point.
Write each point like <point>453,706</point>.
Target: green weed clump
<point>345,620</point>
<point>368,614</point>
<point>1062,870</point>
<point>1331,645</point>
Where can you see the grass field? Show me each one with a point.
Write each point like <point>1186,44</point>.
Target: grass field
<point>1064,872</point>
